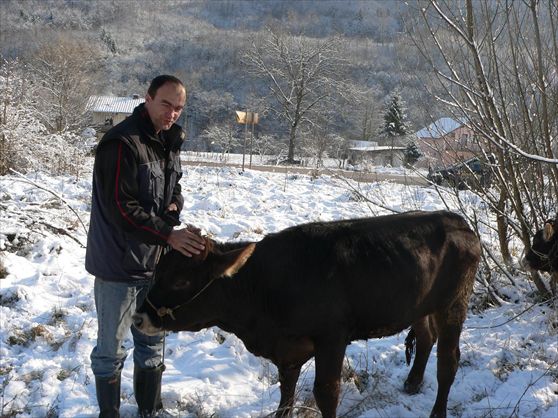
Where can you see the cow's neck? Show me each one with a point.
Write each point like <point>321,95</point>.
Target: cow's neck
<point>242,314</point>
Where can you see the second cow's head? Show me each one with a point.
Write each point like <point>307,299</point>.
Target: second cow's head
<point>543,254</point>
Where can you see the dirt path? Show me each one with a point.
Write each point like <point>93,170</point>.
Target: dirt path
<point>410,180</point>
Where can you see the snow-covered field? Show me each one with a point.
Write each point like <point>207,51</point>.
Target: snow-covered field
<point>509,364</point>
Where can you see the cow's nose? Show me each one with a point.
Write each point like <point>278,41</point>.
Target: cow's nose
<point>138,321</point>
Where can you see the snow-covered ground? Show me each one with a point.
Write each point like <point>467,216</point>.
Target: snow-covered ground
<point>509,364</point>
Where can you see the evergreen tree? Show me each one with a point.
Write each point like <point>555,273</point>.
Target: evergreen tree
<point>411,154</point>
<point>395,123</point>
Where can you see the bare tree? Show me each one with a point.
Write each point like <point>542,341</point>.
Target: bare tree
<point>268,145</point>
<point>66,71</point>
<point>15,119</point>
<point>368,119</point>
<point>498,64</point>
<point>222,137</point>
<point>25,143</point>
<point>302,73</point>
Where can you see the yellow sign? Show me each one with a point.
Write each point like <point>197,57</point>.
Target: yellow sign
<point>249,118</point>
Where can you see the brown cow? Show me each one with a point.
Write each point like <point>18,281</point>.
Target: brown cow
<point>310,290</point>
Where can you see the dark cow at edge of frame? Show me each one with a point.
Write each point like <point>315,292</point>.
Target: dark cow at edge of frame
<point>543,253</point>
<point>309,290</point>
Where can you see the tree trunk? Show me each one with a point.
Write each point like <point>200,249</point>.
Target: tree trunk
<point>502,225</point>
<point>292,136</point>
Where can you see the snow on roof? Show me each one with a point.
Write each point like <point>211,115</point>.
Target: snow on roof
<point>356,143</point>
<point>438,129</point>
<point>370,146</point>
<point>376,148</point>
<point>113,104</point>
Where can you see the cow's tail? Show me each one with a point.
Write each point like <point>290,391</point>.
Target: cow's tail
<point>410,345</point>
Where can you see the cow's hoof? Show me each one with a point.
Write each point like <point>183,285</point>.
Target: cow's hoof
<point>411,388</point>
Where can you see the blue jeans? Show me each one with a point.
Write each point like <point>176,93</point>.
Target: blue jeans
<point>116,303</point>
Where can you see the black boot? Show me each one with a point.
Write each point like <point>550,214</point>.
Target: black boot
<point>147,389</point>
<point>108,396</point>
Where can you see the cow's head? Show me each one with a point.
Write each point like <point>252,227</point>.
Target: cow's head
<point>543,254</point>
<point>179,298</point>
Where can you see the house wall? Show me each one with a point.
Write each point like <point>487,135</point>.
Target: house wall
<point>102,118</point>
<point>377,158</point>
<point>458,145</point>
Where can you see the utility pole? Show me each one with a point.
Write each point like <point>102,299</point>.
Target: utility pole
<point>247,118</point>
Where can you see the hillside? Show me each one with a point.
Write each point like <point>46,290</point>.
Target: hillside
<point>204,43</point>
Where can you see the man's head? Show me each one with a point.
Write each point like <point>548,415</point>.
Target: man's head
<point>164,101</point>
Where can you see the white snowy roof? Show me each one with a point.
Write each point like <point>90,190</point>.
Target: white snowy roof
<point>438,129</point>
<point>376,148</point>
<point>113,104</point>
<point>355,143</point>
<point>370,146</point>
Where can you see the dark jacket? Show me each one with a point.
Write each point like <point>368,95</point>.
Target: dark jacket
<point>135,178</point>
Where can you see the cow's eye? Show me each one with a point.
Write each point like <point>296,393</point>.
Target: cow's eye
<point>182,284</point>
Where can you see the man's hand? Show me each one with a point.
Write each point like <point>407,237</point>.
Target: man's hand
<point>171,215</point>
<point>187,242</point>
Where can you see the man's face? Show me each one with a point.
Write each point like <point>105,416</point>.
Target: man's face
<point>165,108</point>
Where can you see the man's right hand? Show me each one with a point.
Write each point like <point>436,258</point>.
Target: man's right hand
<point>187,242</point>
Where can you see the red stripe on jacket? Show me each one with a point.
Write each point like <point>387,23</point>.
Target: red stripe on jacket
<point>121,209</point>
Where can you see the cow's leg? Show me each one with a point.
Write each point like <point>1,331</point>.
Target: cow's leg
<point>425,335</point>
<point>288,376</point>
<point>449,324</point>
<point>329,362</point>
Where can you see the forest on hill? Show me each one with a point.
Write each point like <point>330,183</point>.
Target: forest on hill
<point>121,45</point>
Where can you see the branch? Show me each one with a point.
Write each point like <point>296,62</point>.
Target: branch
<point>515,411</point>
<point>513,318</point>
<point>53,193</point>
<point>360,195</point>
<point>62,231</point>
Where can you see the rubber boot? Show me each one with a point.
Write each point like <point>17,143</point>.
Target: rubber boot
<point>147,390</point>
<point>108,396</point>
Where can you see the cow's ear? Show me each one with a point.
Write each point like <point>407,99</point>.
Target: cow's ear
<point>548,231</point>
<point>232,261</point>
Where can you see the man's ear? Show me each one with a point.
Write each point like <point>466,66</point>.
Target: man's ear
<point>230,262</point>
<point>548,231</point>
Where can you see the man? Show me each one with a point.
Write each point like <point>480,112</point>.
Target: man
<point>136,201</point>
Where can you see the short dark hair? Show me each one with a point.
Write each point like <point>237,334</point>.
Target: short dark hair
<point>158,81</point>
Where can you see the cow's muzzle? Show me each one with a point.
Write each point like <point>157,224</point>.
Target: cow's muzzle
<point>143,324</point>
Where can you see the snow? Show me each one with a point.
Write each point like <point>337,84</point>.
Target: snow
<point>48,324</point>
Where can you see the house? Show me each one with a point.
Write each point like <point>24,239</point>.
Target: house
<point>446,142</point>
<point>107,111</point>
<point>372,153</point>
